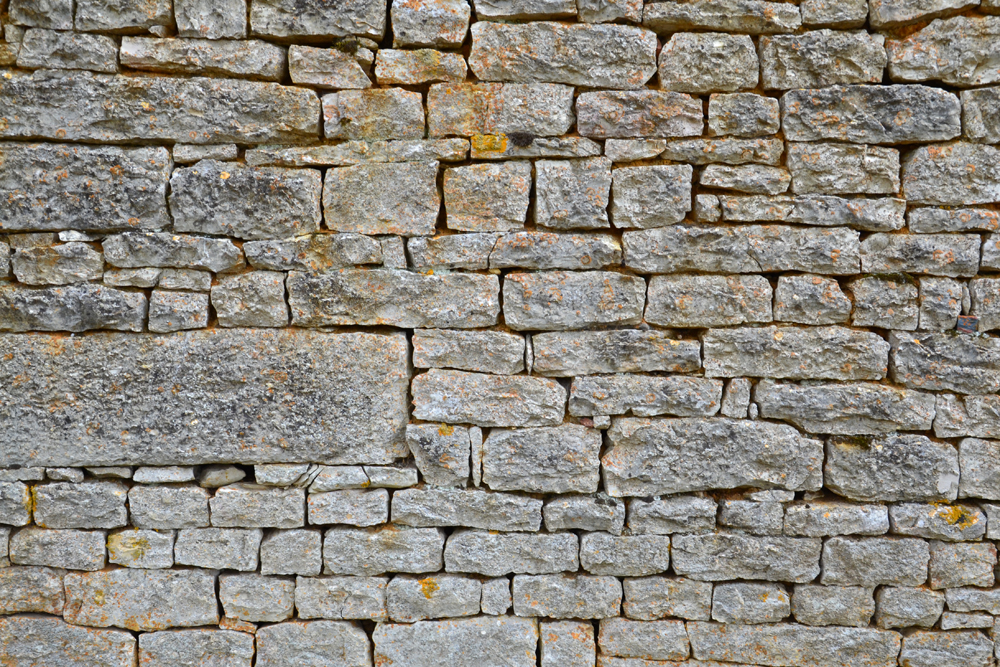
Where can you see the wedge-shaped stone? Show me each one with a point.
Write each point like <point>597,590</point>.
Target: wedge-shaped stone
<point>875,561</point>
<point>225,648</point>
<point>891,468</point>
<point>755,17</point>
<point>601,56</point>
<point>560,459</point>
<point>141,599</point>
<point>566,354</point>
<point>316,18</point>
<point>638,113</point>
<point>561,300</point>
<point>460,507</point>
<point>722,556</point>
<point>541,250</point>
<point>251,203</point>
<point>793,645</point>
<point>884,214</point>
<point>946,362</point>
<point>954,174</point>
<point>326,68</point>
<point>688,301</point>
<point>162,249</point>
<point>496,554</point>
<point>467,109</point>
<point>644,396</point>
<point>391,297</point>
<point>567,596</point>
<point>825,168</point>
<point>846,409</point>
<point>821,58</point>
<point>487,400</point>
<point>957,416</point>
<point>341,597</point>
<point>361,395</point>
<point>662,456</point>
<point>382,198</point>
<point>47,104</point>
<point>62,186</point>
<point>871,114</point>
<point>960,51</point>
<point>38,640</point>
<point>313,643</point>
<point>807,353</point>
<point>485,641</point>
<point>727,150</point>
<point>242,59</point>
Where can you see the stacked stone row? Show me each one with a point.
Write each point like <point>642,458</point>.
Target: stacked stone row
<point>526,332</point>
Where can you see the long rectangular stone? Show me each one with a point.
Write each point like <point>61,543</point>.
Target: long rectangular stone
<point>153,409</point>
<point>371,551</point>
<point>485,641</point>
<point>941,50</point>
<point>567,596</point>
<point>316,19</point>
<point>388,297</point>
<point>77,307</point>
<point>663,456</point>
<point>883,214</point>
<point>892,468</point>
<point>467,109</point>
<point>756,17</point>
<point>80,106</point>
<point>560,459</point>
<point>496,554</point>
<point>955,255</point>
<point>26,641</point>
<point>807,353</point>
<point>487,400</point>
<point>644,396</point>
<point>692,301</point>
<point>832,169</point>
<point>565,300</point>
<point>723,556</point>
<point>570,353</point>
<point>875,561</point>
<point>793,645</point>
<point>473,508</point>
<point>945,362</point>
<point>638,113</point>
<point>341,598</point>
<point>46,185</point>
<point>241,59</point>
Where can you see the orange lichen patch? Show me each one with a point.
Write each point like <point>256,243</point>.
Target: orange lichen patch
<point>956,515</point>
<point>429,587</point>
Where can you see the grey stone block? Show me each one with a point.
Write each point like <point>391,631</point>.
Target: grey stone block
<point>560,459</point>
<point>495,352</point>
<point>851,606</point>
<point>341,598</point>
<point>950,523</point>
<point>638,114</point>
<point>410,599</point>
<point>597,512</point>
<point>676,514</point>
<point>31,589</point>
<point>168,507</point>
<point>353,507</point>
<point>296,551</point>
<point>218,548</point>
<point>487,400</point>
<point>821,58</point>
<point>565,354</point>
<point>755,17</point>
<point>67,549</point>
<point>147,549</point>
<point>566,596</point>
<point>647,640</point>
<point>874,561</point>
<point>750,603</point>
<point>256,598</point>
<point>224,648</point>
<point>946,649</point>
<point>26,639</point>
<point>372,551</point>
<point>908,607</point>
<point>651,598</point>
<point>566,644</point>
<point>722,556</point>
<point>825,519</point>
<point>624,556</point>
<point>86,505</point>
<point>487,641</point>
<point>381,198</point>
<point>471,508</point>
<point>953,565</point>
<point>495,554</point>
<point>891,468</point>
<point>313,643</point>
<point>743,115</point>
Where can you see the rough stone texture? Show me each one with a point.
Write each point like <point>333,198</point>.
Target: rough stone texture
<point>954,523</point>
<point>160,249</point>
<point>313,643</point>
<point>875,561</point>
<point>750,603</point>
<point>884,214</point>
<point>495,554</point>
<point>751,16</point>
<point>851,606</point>
<point>438,23</point>
<point>708,62</point>
<point>566,644</point>
<point>442,596</point>
<point>382,199</point>
<point>460,507</point>
<point>341,597</point>
<point>572,194</point>
<point>566,596</point>
<point>371,551</point>
<point>190,647</point>
<point>31,589</point>
<point>644,396</point>
<point>651,598</point>
<point>384,113</point>
<point>721,556</point>
<point>326,68</point>
<point>561,459</point>
<point>954,565</point>
<point>942,361</point>
<point>252,59</point>
<point>595,513</point>
<point>148,549</point>
<point>891,468</point>
<point>466,109</point>
<point>810,299</point>
<point>89,505</point>
<point>476,642</point>
<point>218,548</point>
<point>34,640</point>
<point>679,514</point>
<point>821,58</point>
<point>908,607</point>
<point>487,197</point>
<point>489,400</point>
<point>646,197</point>
<point>621,351</point>
<point>959,51</point>
<point>69,549</point>
<point>952,174</point>
<point>562,301</point>
<point>50,49</point>
<point>638,113</point>
<point>285,18</point>
<point>825,168</point>
<point>631,556</point>
<point>707,301</point>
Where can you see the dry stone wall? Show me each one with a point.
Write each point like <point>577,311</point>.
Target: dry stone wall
<point>549,333</point>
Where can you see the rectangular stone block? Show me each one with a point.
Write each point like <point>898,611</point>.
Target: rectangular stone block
<point>26,641</point>
<point>31,589</point>
<point>722,556</point>
<point>939,51</point>
<point>438,596</point>
<point>946,649</point>
<point>218,548</point>
<point>472,508</point>
<point>496,554</point>
<point>883,214</point>
<point>467,109</point>
<point>566,596</point>
<point>362,395</point>
<point>567,644</point>
<point>314,642</point>
<point>674,514</point>
<point>756,17</point>
<point>490,197</point>
<point>224,648</point>
<point>852,606</point>
<point>955,255</point>
<point>624,555</point>
<point>420,66</point>
<point>67,549</point>
<point>825,519</point>
<point>946,362</point>
<point>688,301</point>
<point>561,300</point>
<point>46,104</point>
<point>168,507</point>
<point>571,353</point>
<point>454,251</point>
<point>652,598</point>
<point>695,454</point>
<point>241,59</point>
<point>875,561</point>
<point>955,174</point>
<point>891,468</point>
<point>354,507</point>
<point>832,169</point>
<point>821,58</point>
<point>77,307</point>
<point>375,114</point>
<point>638,113</point>
<point>316,19</point>
<point>644,396</point>
<point>372,551</point>
<point>977,416</point>
<point>341,598</point>
<point>84,505</point>
<point>486,641</point>
<point>647,197</point>
<point>561,459</point>
<point>358,152</point>
<point>495,352</point>
<point>487,400</point>
<point>382,198</point>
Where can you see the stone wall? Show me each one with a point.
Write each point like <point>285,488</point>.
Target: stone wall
<point>555,333</point>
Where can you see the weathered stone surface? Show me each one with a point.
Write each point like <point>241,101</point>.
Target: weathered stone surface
<point>736,398</point>
<point>567,354</point>
<point>871,114</point>
<point>602,56</point>
<point>793,645</point>
<point>566,644</point>
<point>908,607</point>
<point>821,58</point>
<point>481,351</point>
<point>487,197</point>
<point>224,648</point>
<point>644,396</point>
<point>810,299</point>
<point>253,506</point>
<point>502,147</point>
<point>454,251</point>
<point>15,504</point>
<point>748,16</point>
<point>638,113</point>
<point>121,17</point>
<point>990,255</point>
<point>161,249</point>
<point>946,649</point>
<point>420,66</point>
<point>255,598</point>
<point>959,51</point>
<point>602,11</point>
<point>963,564</point>
<point>852,606</point>
<point>541,250</point>
<point>218,548</point>
<point>572,194</point>
<point>651,598</point>
<point>191,153</point>
<point>382,198</point>
<point>46,104</point>
<point>566,596</point>
<point>466,109</point>
<point>487,400</point>
<point>659,456</point>
<point>985,304</point>
<point>980,119</point>
<point>54,14</point>
<point>489,641</point>
<point>460,507</point>
<point>752,178</point>
<point>887,301</point>
<point>708,62</point>
<point>147,549</point>
<point>371,551</point>
<point>814,353</point>
<point>932,220</point>
<point>315,19</point>
<point>561,459</point>
<point>495,554</point>
<point>834,13</point>
<point>168,507</point>
<point>722,556</point>
<point>950,523</point>
<point>652,196</point>
<point>393,298</point>
<point>647,641</point>
<point>976,416</point>
<point>87,505</point>
<point>752,516</point>
<point>429,22</point>
<point>977,459</point>
<point>326,68</point>
<point>141,599</point>
<point>31,589</point>
<point>354,507</point>
<point>884,214</point>
<point>341,597</point>
<point>893,13</point>
<point>972,599</point>
<point>363,402</point>
<point>750,603</point>
<point>250,59</point>
<point>688,301</point>
<point>313,643</point>
<point>441,452</point>
<point>585,512</point>
<point>359,152</point>
<point>292,552</point>
<point>624,556</point>
<point>524,9</point>
<point>874,561</point>
<point>209,19</point>
<point>186,279</point>
<point>69,549</point>
<point>846,409</point>
<point>743,115</point>
<point>50,49</point>
<point>410,599</point>
<point>315,252</point>
<point>563,301</point>
<point>891,468</point>
<point>177,311</point>
<point>955,174</point>
<point>36,640</point>
<point>376,114</point>
<point>677,514</point>
<point>826,168</point>
<point>255,299</point>
<point>944,361</point>
<point>727,150</point>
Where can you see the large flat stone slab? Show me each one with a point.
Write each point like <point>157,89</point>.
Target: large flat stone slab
<point>203,397</point>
